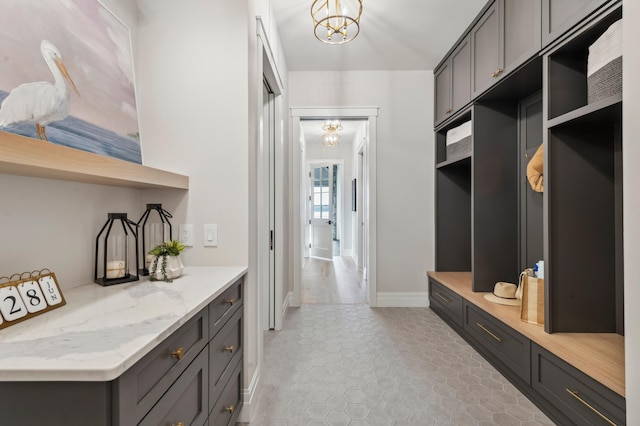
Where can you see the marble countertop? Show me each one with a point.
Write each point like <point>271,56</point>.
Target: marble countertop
<point>103,331</point>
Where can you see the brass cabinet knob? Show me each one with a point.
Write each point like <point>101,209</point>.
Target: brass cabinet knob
<point>178,353</point>
<point>230,301</point>
<point>497,72</point>
<point>449,111</point>
<point>229,409</point>
<point>229,349</point>
<point>177,424</point>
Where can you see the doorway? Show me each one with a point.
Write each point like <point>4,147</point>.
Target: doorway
<point>365,228</point>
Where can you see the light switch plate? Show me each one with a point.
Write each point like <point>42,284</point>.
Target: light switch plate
<point>210,235</point>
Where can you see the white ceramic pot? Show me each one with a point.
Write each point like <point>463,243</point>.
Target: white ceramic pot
<point>174,267</point>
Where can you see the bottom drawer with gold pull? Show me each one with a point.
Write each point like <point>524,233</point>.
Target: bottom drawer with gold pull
<point>445,301</point>
<point>226,410</point>
<point>581,399</point>
<point>224,351</point>
<point>138,390</point>
<point>185,403</point>
<point>504,343</point>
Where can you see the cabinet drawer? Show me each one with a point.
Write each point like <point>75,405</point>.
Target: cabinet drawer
<point>224,351</point>
<point>224,306</point>
<point>445,301</point>
<point>577,395</point>
<point>226,410</point>
<point>508,346</point>
<point>186,402</point>
<point>138,389</point>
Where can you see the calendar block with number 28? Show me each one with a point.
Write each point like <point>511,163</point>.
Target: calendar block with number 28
<point>28,296</point>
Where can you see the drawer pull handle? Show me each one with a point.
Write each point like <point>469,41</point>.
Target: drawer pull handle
<point>449,111</point>
<point>229,349</point>
<point>442,297</point>
<point>576,395</point>
<point>229,409</point>
<point>178,424</point>
<point>229,301</point>
<point>497,72</point>
<point>486,330</point>
<point>178,353</point>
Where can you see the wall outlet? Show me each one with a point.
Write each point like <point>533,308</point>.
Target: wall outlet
<point>186,235</point>
<point>210,235</point>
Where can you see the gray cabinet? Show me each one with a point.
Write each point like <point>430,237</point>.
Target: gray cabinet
<point>567,395</point>
<point>453,82</point>
<point>506,36</point>
<point>578,396</point>
<point>185,403</point>
<point>140,387</point>
<point>445,302</point>
<point>505,344</point>
<point>584,269</point>
<point>487,51</point>
<point>558,16</point>
<point>193,377</point>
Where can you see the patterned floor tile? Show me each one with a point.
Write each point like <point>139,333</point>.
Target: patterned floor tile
<point>357,366</point>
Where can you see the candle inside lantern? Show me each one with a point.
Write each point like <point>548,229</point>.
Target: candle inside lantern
<point>116,269</point>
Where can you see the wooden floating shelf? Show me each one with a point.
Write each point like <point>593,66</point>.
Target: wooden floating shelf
<point>23,156</point>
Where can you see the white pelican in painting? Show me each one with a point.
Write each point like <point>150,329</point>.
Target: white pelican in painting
<point>40,103</point>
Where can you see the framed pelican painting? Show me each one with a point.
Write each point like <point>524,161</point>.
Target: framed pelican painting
<point>66,76</point>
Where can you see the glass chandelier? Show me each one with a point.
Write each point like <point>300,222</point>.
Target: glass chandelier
<point>336,21</point>
<point>331,135</point>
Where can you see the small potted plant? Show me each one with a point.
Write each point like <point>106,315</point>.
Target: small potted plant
<point>168,255</point>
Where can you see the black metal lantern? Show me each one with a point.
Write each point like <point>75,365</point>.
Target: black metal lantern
<point>113,251</point>
<point>154,233</point>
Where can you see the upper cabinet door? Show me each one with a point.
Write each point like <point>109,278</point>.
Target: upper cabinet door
<point>521,20</point>
<point>487,51</point>
<point>442,79</point>
<point>558,16</point>
<point>461,75</point>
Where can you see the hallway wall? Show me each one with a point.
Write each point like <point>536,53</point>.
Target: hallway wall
<point>405,232</point>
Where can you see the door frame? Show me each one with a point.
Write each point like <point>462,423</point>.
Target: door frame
<point>267,70</point>
<point>369,114</point>
<point>309,163</point>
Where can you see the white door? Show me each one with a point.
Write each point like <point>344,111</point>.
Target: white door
<point>268,201</point>
<point>321,210</point>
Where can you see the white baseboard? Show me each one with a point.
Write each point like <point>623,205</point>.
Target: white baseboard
<point>417,299</point>
<point>286,304</point>
<point>250,398</point>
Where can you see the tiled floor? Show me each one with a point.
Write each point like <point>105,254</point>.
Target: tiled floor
<point>353,365</point>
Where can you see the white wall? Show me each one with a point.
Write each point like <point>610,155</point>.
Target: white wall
<point>405,231</point>
<point>198,89</point>
<point>193,115</point>
<point>631,172</point>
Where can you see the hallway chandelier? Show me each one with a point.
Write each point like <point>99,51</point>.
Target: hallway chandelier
<point>331,135</point>
<point>330,139</point>
<point>336,21</point>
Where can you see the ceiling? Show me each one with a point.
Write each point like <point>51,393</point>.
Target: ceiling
<point>394,35</point>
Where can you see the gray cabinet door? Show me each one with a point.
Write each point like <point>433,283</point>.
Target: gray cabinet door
<point>521,21</point>
<point>443,93</point>
<point>461,75</point>
<point>487,51</point>
<point>558,16</point>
